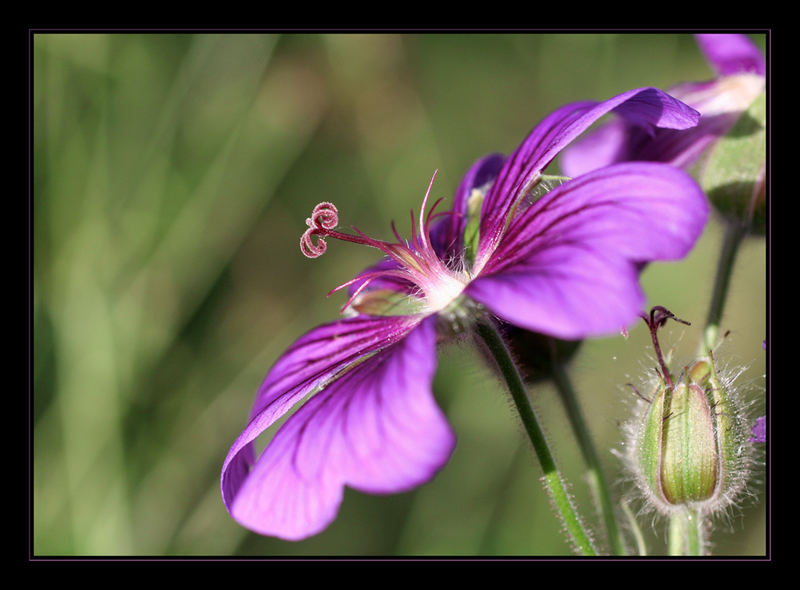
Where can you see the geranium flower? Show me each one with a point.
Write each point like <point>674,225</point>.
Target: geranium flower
<point>740,78</point>
<point>564,265</point>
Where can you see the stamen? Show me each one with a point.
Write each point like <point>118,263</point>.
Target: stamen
<point>431,215</point>
<point>419,264</point>
<point>369,276</point>
<point>396,233</point>
<point>413,232</point>
<point>423,230</point>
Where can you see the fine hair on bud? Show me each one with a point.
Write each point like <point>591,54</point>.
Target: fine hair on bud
<point>686,443</point>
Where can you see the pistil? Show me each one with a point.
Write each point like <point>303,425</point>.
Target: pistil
<point>418,262</point>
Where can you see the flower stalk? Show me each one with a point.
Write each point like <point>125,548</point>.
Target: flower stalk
<point>734,235</point>
<point>554,482</point>
<point>687,533</point>
<point>595,474</point>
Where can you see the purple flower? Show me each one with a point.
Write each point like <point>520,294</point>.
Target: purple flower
<point>740,69</point>
<point>759,430</point>
<point>564,265</point>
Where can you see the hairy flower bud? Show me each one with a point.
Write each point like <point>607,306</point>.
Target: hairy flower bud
<point>679,453</point>
<point>689,444</point>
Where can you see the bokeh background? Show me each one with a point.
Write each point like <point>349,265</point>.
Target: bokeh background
<point>172,177</point>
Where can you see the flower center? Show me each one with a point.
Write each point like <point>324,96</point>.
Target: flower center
<point>434,283</point>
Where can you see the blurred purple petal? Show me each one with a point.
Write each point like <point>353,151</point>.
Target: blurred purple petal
<point>568,266</point>
<point>621,141</point>
<point>376,428</point>
<point>759,430</point>
<point>732,54</point>
<point>721,102</point>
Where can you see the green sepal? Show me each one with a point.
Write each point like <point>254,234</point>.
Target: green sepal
<point>732,173</point>
<point>387,302</point>
<point>728,427</point>
<point>650,442</point>
<point>542,186</point>
<point>545,184</point>
<point>473,227</point>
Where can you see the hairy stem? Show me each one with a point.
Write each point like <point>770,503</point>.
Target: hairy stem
<point>554,482</point>
<point>686,533</point>
<point>596,476</point>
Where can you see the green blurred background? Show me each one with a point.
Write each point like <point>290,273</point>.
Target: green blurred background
<point>172,177</point>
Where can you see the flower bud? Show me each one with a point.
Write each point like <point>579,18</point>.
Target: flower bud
<point>688,452</point>
<point>689,444</point>
<point>690,447</point>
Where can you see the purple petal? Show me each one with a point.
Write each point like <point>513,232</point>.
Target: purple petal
<point>608,144</point>
<point>759,430</point>
<point>641,211</point>
<point>310,363</point>
<point>645,107</point>
<point>570,294</point>
<point>376,428</point>
<point>567,266</point>
<point>732,54</point>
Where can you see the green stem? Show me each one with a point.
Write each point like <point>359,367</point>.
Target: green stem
<point>686,533</point>
<point>641,546</point>
<point>554,483</point>
<point>596,476</point>
<point>734,235</point>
